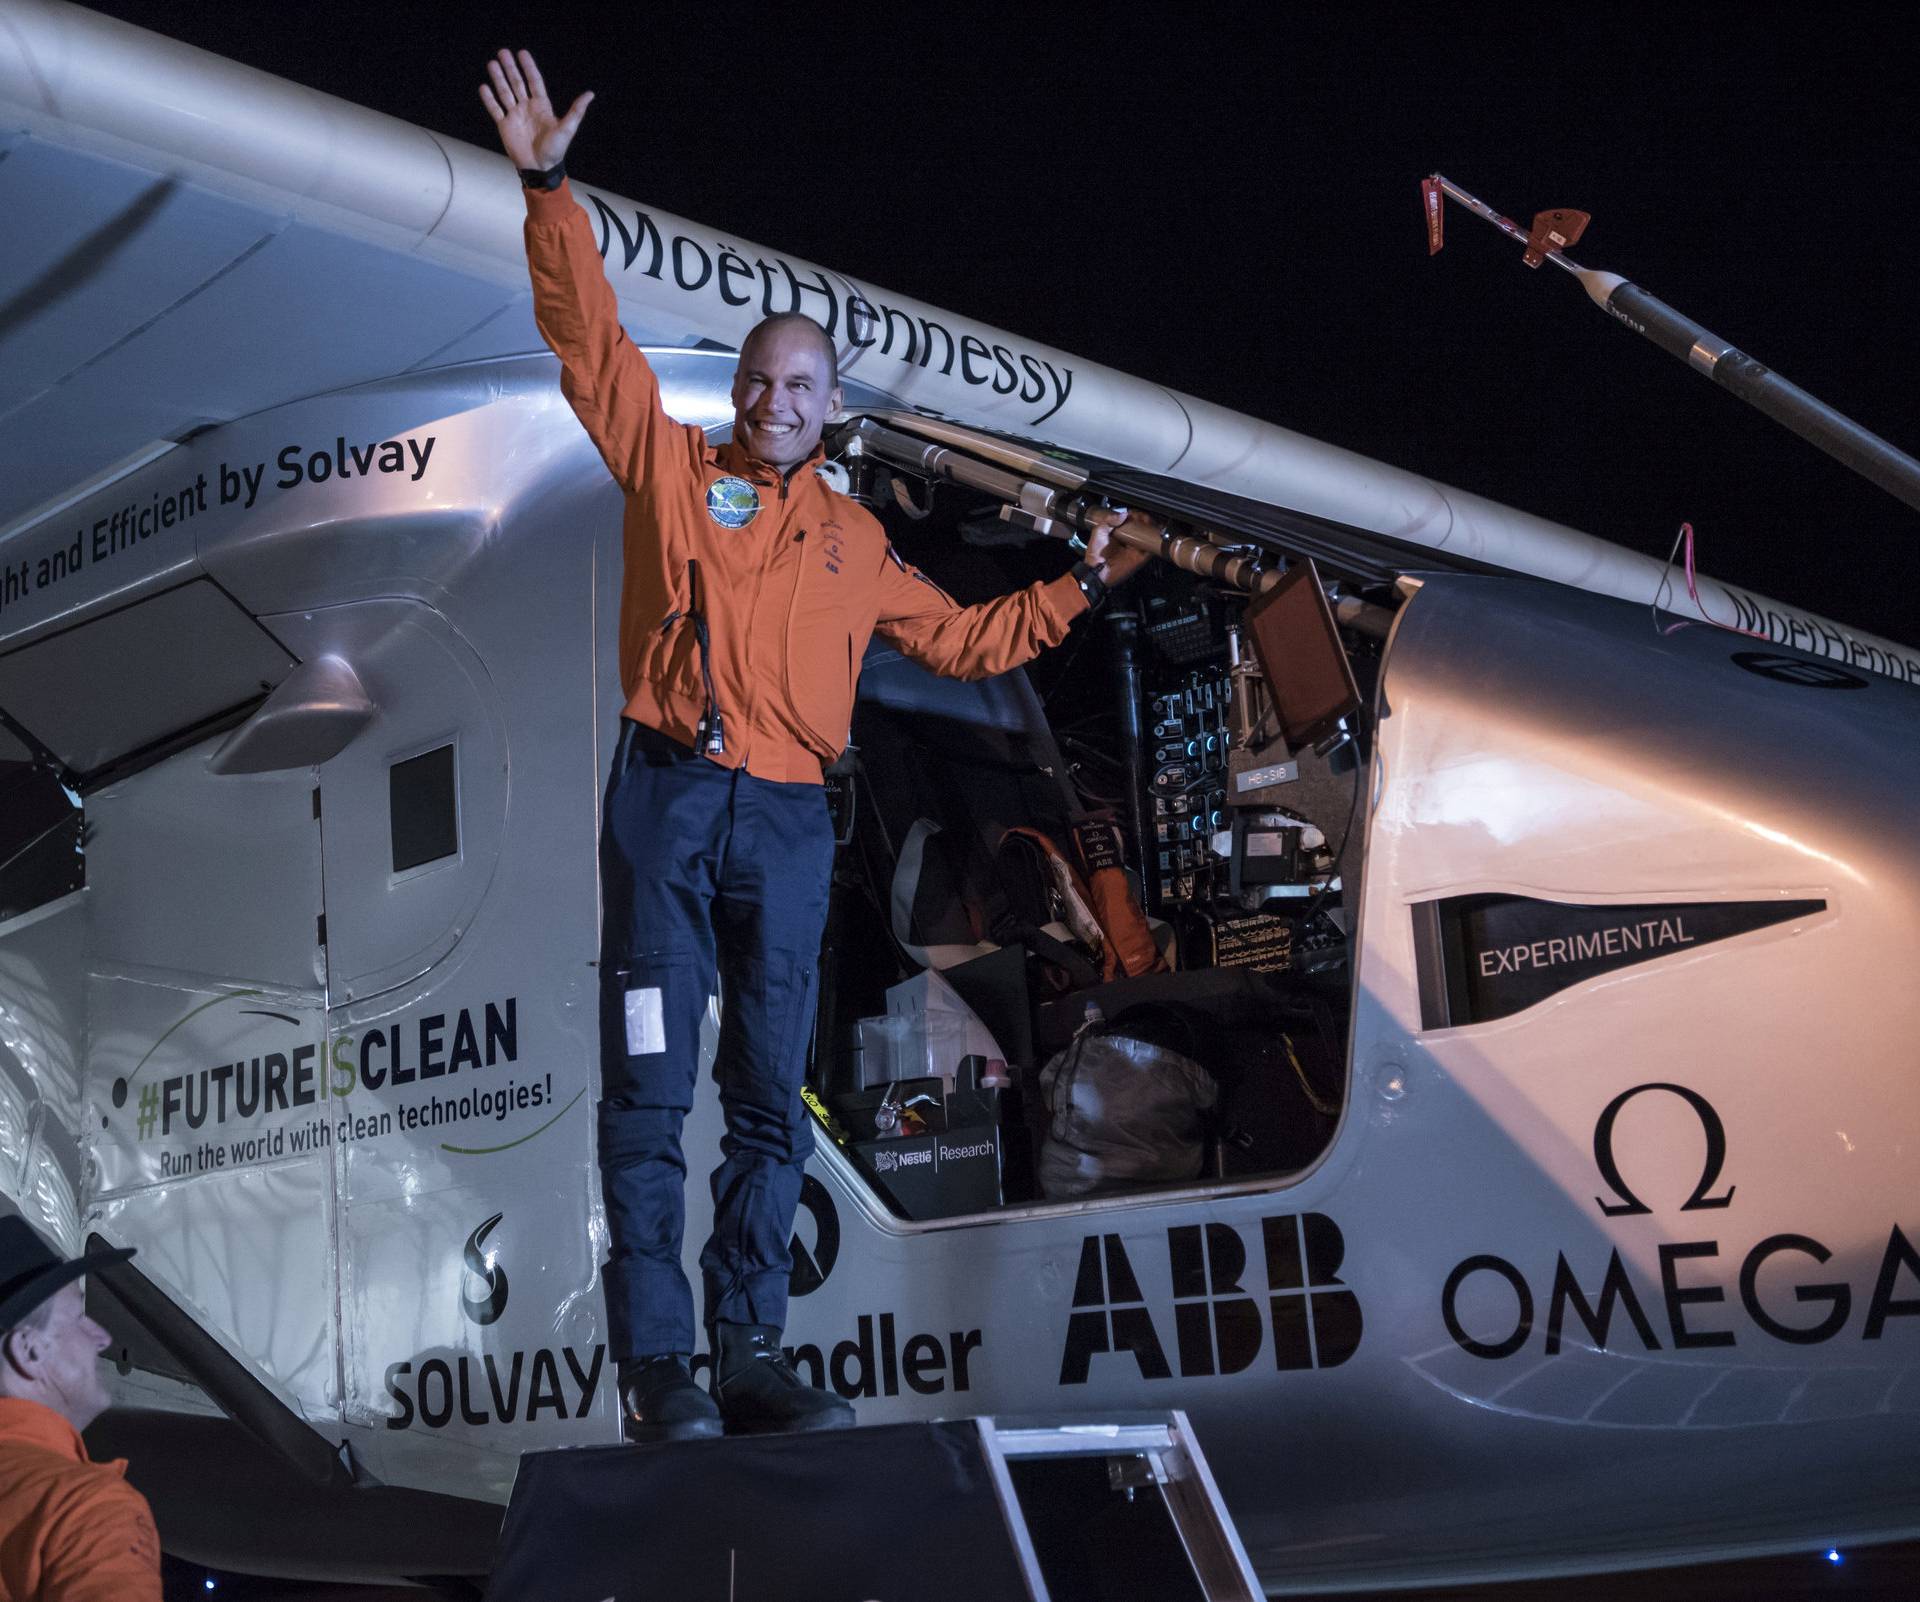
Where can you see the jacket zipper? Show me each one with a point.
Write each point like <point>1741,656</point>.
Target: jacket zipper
<point>793,606</point>
<point>710,737</point>
<point>760,578</point>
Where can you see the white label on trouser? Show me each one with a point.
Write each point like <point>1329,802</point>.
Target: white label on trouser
<point>646,1031</point>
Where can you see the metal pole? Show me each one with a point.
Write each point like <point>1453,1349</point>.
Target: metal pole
<point>1057,511</point>
<point>1123,633</point>
<point>1758,385</point>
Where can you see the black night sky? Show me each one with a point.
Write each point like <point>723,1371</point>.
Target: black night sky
<point>1227,203</point>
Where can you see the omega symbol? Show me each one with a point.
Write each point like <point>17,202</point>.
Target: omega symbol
<point>1628,1203</point>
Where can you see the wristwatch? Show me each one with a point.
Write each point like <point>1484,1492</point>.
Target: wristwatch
<point>1092,583</point>
<point>534,178</point>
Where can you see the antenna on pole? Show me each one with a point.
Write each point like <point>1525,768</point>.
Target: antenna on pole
<point>1553,232</point>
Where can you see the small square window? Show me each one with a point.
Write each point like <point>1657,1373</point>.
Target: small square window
<point>421,803</point>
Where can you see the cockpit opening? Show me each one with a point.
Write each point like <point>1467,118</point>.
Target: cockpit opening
<point>1091,922</point>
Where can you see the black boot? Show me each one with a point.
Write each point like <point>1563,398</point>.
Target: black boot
<point>758,1391</point>
<point>659,1401</point>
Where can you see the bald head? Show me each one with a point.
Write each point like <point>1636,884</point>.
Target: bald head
<point>801,324</point>
<point>786,387</point>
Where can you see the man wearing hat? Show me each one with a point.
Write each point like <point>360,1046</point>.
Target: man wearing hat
<point>71,1530</point>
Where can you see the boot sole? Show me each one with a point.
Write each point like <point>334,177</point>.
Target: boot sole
<point>699,1429</point>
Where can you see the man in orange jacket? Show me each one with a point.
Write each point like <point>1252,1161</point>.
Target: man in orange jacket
<point>750,590</point>
<point>71,1530</point>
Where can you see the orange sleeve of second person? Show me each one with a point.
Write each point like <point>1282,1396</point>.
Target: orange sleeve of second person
<point>103,1548</point>
<point>608,383</point>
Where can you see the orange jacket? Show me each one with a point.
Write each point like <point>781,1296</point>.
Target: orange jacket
<point>793,577</point>
<point>71,1530</point>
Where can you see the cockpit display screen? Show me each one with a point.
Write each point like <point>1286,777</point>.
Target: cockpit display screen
<point>1301,657</point>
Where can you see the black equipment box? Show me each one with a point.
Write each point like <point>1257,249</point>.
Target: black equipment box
<point>941,1175</point>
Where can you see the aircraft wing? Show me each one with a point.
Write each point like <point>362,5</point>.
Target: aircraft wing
<point>191,241</point>
<point>136,307</point>
<point>141,298</point>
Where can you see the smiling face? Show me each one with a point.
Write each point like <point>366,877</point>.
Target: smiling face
<point>783,392</point>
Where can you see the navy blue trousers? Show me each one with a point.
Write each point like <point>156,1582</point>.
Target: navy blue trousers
<point>704,871</point>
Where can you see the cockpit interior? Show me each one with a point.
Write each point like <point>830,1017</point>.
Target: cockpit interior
<point>1091,920</point>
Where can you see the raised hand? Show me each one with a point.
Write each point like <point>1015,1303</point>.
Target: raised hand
<point>516,99</point>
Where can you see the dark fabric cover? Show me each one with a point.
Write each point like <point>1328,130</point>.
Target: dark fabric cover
<point>897,1511</point>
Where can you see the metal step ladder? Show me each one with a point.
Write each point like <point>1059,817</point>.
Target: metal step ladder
<point>1117,1510</point>
<point>974,1510</point>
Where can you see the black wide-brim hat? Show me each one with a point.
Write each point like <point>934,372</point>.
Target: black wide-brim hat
<point>31,1270</point>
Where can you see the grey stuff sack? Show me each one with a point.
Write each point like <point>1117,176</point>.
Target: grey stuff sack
<point>1122,1113</point>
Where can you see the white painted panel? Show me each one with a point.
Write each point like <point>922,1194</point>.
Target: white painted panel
<point>250,1254</point>
<point>212,876</point>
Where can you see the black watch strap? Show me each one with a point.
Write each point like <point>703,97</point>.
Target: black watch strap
<point>534,178</point>
<point>1092,585</point>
